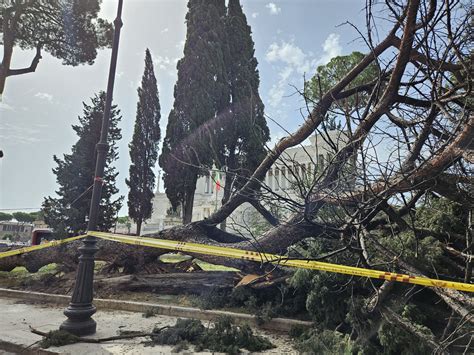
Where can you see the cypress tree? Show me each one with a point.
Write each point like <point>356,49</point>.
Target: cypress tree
<point>201,94</point>
<point>75,174</point>
<point>144,147</point>
<point>243,137</point>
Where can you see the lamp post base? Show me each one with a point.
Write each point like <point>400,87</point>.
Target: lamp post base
<point>79,320</point>
<point>80,310</point>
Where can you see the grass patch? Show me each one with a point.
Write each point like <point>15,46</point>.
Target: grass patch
<point>224,337</point>
<point>48,268</point>
<point>98,265</point>
<point>19,271</point>
<point>213,267</point>
<point>174,258</point>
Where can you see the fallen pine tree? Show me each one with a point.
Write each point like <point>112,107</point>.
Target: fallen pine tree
<point>405,207</point>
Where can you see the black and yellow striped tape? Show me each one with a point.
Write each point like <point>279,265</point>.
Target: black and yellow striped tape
<point>254,256</point>
<point>281,260</point>
<point>52,243</point>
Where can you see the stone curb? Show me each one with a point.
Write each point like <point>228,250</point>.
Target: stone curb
<point>275,324</point>
<point>19,349</point>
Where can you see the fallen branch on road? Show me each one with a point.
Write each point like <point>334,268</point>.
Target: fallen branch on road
<point>61,337</point>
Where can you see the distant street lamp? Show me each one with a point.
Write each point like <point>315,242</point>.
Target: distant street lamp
<point>81,309</point>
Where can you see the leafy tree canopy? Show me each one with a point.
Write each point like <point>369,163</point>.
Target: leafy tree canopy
<point>69,30</point>
<point>23,217</point>
<point>330,74</point>
<point>5,216</point>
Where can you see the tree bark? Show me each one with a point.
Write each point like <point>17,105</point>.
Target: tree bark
<point>197,283</point>
<point>139,226</point>
<point>7,55</point>
<point>189,201</point>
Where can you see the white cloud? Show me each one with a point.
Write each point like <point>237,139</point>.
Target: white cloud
<point>5,107</point>
<point>276,137</point>
<point>180,45</point>
<point>20,133</point>
<point>292,60</point>
<point>277,91</point>
<point>44,96</point>
<point>290,54</point>
<point>165,63</point>
<point>331,48</point>
<point>164,30</point>
<point>274,10</point>
<point>255,14</point>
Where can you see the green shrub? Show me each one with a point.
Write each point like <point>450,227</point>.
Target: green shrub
<point>223,337</point>
<point>324,342</point>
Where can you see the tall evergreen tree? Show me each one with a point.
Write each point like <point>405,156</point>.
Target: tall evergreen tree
<point>144,147</point>
<point>75,174</point>
<point>243,136</point>
<point>201,94</point>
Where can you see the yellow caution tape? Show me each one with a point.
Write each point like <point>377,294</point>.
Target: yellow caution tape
<point>52,243</point>
<point>281,260</point>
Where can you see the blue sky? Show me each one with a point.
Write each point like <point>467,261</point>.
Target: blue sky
<point>291,38</point>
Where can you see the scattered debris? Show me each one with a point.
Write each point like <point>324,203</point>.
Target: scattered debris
<point>61,337</point>
<point>224,336</point>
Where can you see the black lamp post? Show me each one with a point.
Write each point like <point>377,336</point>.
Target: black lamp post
<point>81,309</point>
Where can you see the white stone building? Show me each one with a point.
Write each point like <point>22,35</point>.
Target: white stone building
<point>302,159</point>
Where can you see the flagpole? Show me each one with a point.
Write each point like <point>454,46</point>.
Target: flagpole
<point>217,190</point>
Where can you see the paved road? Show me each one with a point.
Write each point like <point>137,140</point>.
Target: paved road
<point>16,318</point>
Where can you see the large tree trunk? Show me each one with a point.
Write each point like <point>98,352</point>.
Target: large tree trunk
<point>189,201</point>
<point>7,56</point>
<point>200,282</point>
<point>139,226</point>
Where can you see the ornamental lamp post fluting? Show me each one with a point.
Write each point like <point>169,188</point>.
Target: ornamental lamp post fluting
<point>80,310</point>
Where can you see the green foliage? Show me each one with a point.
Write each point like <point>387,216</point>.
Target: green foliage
<point>223,337</point>
<point>123,220</point>
<point>58,338</point>
<point>442,215</point>
<point>265,304</point>
<point>8,237</point>
<point>56,26</point>
<point>5,216</point>
<point>144,147</point>
<point>397,341</point>
<point>336,301</point>
<point>69,30</point>
<point>424,253</point>
<point>126,221</point>
<point>328,75</point>
<point>326,299</point>
<point>39,215</point>
<point>75,175</point>
<point>201,93</point>
<point>23,217</point>
<point>241,144</point>
<point>323,342</point>
<point>328,296</point>
<point>217,117</point>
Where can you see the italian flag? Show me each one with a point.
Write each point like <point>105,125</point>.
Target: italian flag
<point>218,181</point>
